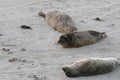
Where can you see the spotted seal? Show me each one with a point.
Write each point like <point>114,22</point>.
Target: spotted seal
<point>80,38</point>
<point>91,66</point>
<point>60,21</point>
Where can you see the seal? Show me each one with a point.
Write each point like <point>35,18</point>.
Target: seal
<point>91,66</point>
<point>80,38</point>
<point>60,22</point>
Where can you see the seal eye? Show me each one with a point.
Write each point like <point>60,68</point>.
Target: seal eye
<point>66,38</point>
<point>63,39</point>
<point>69,38</point>
<point>94,33</point>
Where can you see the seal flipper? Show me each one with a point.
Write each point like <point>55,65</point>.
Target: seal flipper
<point>42,14</point>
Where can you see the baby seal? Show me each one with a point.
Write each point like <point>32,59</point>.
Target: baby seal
<point>80,38</point>
<point>91,66</point>
<point>60,22</point>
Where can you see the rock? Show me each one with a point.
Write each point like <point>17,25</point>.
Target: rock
<point>23,49</point>
<point>12,59</point>
<point>5,49</point>
<point>25,27</point>
<point>1,34</point>
<point>98,19</point>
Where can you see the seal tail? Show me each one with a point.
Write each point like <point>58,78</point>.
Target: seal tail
<point>42,14</point>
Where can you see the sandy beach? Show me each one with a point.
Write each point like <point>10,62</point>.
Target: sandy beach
<point>36,52</point>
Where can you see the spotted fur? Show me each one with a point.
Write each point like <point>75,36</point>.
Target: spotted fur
<point>91,66</point>
<point>60,22</point>
<point>81,38</point>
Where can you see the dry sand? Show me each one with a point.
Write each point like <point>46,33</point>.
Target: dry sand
<point>43,57</point>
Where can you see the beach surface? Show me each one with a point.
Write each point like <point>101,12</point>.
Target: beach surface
<point>33,54</point>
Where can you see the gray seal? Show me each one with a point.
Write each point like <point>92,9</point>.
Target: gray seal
<point>80,38</point>
<point>60,21</point>
<point>91,66</point>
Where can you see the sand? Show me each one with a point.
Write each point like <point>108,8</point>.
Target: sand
<point>38,55</point>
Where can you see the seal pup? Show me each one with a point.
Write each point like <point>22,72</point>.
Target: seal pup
<point>80,38</point>
<point>91,66</point>
<point>60,22</point>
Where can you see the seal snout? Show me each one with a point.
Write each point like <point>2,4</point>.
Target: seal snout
<point>103,35</point>
<point>66,71</point>
<point>118,61</point>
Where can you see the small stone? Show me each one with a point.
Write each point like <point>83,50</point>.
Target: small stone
<point>25,27</point>
<point>82,21</point>
<point>42,63</point>
<point>19,68</point>
<point>24,60</point>
<point>5,49</point>
<point>98,19</point>
<point>23,49</point>
<point>35,77</point>
<point>1,34</point>
<point>112,24</point>
<point>12,59</point>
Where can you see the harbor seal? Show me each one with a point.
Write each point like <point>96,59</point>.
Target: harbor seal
<point>80,38</point>
<point>91,66</point>
<point>60,22</point>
